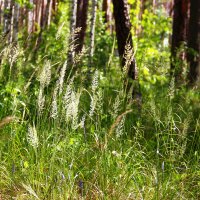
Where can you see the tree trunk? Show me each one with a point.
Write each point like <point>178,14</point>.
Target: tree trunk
<point>71,52</point>
<point>92,30</point>
<point>54,6</point>
<point>15,21</point>
<point>1,12</point>
<point>124,37</point>
<point>7,18</point>
<point>107,14</point>
<point>81,21</point>
<point>30,19</point>
<point>179,36</point>
<point>21,19</point>
<point>47,14</point>
<point>42,14</point>
<point>73,16</point>
<point>194,42</point>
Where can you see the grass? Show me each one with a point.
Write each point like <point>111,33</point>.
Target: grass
<point>63,139</point>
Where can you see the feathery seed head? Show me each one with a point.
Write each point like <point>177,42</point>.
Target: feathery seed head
<point>58,34</point>
<point>82,122</point>
<point>54,110</point>
<point>45,76</point>
<point>62,76</point>
<point>120,127</point>
<point>95,81</point>
<point>41,100</point>
<point>32,136</point>
<point>92,105</point>
<point>172,88</point>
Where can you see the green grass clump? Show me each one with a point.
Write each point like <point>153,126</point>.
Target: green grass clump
<point>66,136</point>
<point>76,142</point>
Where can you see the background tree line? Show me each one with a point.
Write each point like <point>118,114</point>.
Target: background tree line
<point>36,15</point>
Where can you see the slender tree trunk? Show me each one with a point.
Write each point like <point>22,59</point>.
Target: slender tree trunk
<point>107,14</point>
<point>47,14</point>
<point>21,12</point>
<point>25,17</point>
<point>41,23</point>
<point>194,42</point>
<point>73,18</point>
<point>81,21</point>
<point>7,18</point>
<point>15,22</point>
<point>34,15</point>
<point>179,36</point>
<point>54,6</point>
<point>42,14</point>
<point>30,19</point>
<point>1,12</point>
<point>92,30</point>
<point>37,11</point>
<point>71,52</point>
<point>105,10</point>
<point>169,7</point>
<point>124,37</point>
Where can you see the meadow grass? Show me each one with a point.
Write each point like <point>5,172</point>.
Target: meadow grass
<point>64,139</point>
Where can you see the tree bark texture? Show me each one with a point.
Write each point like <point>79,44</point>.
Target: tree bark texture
<point>1,11</point>
<point>7,17</point>
<point>15,22</point>
<point>107,14</point>
<point>81,21</point>
<point>73,16</point>
<point>194,42</point>
<point>92,30</point>
<point>13,16</point>
<point>71,52</point>
<point>123,33</point>
<point>30,19</point>
<point>179,35</point>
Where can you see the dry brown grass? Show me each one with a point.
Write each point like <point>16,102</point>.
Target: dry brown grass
<point>7,120</point>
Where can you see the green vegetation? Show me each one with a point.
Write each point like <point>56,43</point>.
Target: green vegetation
<point>64,135</point>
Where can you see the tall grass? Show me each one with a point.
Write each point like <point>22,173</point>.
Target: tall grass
<point>65,140</point>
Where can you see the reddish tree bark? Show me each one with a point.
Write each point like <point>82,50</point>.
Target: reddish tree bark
<point>179,35</point>
<point>1,12</point>
<point>47,13</point>
<point>107,14</point>
<point>30,19</point>
<point>123,33</point>
<point>194,42</point>
<point>92,30</point>
<point>81,21</point>
<point>54,6</point>
<point>42,14</point>
<point>13,17</point>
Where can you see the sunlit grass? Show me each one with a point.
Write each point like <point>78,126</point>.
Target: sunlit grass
<point>87,150</point>
<point>63,139</point>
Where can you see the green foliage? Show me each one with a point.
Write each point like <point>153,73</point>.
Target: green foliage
<point>26,3</point>
<point>64,136</point>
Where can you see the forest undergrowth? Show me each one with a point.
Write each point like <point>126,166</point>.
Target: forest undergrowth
<point>67,135</point>
<point>61,139</point>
